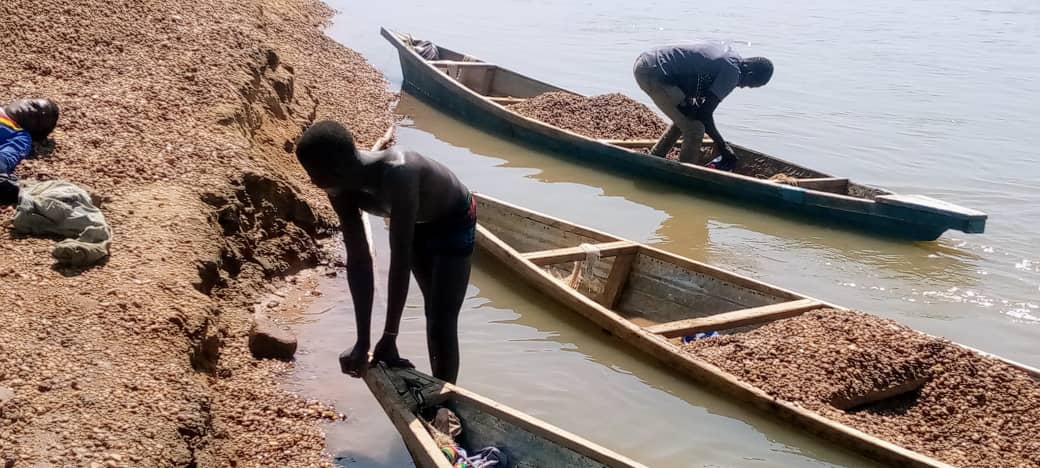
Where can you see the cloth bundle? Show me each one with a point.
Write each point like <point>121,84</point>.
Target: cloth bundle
<point>62,208</point>
<point>445,427</point>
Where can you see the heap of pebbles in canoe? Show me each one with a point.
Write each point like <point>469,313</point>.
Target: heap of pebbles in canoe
<point>967,409</point>
<point>608,116</point>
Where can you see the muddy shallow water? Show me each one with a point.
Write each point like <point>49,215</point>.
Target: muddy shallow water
<point>876,92</point>
<point>527,352</point>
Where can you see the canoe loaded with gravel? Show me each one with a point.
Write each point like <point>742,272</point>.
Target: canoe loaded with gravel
<point>615,132</point>
<point>898,395</point>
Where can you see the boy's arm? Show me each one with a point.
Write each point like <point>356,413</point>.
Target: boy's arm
<point>360,278</point>
<point>13,150</point>
<point>404,181</point>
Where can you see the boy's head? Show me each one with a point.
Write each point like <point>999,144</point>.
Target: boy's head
<point>328,154</point>
<point>36,116</point>
<point>755,72</point>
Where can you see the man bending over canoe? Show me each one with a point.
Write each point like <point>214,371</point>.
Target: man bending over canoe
<point>688,81</point>
<point>432,232</point>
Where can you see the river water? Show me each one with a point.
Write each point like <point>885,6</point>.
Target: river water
<point>930,97</point>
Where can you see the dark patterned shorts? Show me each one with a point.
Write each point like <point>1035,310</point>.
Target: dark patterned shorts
<point>452,235</point>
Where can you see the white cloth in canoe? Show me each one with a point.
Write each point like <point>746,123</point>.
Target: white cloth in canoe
<point>583,268</point>
<point>63,208</point>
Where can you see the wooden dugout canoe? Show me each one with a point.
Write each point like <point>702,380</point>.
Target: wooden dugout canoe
<point>478,92</point>
<point>650,298</point>
<point>526,441</point>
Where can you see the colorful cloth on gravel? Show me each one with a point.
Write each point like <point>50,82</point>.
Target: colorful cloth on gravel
<point>15,144</point>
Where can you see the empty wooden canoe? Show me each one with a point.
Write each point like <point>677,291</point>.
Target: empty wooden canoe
<point>650,298</point>
<point>478,92</point>
<point>527,442</point>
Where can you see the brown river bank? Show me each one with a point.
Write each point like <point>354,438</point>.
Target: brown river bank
<point>182,116</point>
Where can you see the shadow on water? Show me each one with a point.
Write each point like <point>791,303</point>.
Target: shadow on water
<point>530,353</point>
<point>883,117</point>
<point>685,218</point>
<point>526,351</point>
<point>948,288</point>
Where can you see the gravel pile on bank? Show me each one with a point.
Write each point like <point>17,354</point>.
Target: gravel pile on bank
<point>971,410</point>
<point>608,116</point>
<point>182,116</point>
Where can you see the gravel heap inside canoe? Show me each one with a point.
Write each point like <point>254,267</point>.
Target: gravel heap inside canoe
<point>970,410</point>
<point>608,116</point>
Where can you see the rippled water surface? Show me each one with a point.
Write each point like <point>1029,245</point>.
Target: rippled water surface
<point>930,97</point>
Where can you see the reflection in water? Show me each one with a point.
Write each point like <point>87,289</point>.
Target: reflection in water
<point>855,98</point>
<point>622,387</point>
<point>530,353</point>
<point>910,282</point>
<point>526,351</point>
<point>684,228</point>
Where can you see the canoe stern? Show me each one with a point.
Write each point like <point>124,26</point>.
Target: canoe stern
<point>927,210</point>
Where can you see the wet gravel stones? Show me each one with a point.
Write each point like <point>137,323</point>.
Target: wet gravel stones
<point>608,116</point>
<point>968,410</point>
<point>133,362</point>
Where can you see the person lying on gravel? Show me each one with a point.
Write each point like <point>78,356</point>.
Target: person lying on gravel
<point>688,81</point>
<point>432,233</point>
<point>23,122</point>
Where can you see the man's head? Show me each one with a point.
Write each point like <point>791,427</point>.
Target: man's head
<point>755,72</point>
<point>328,154</point>
<point>36,116</point>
